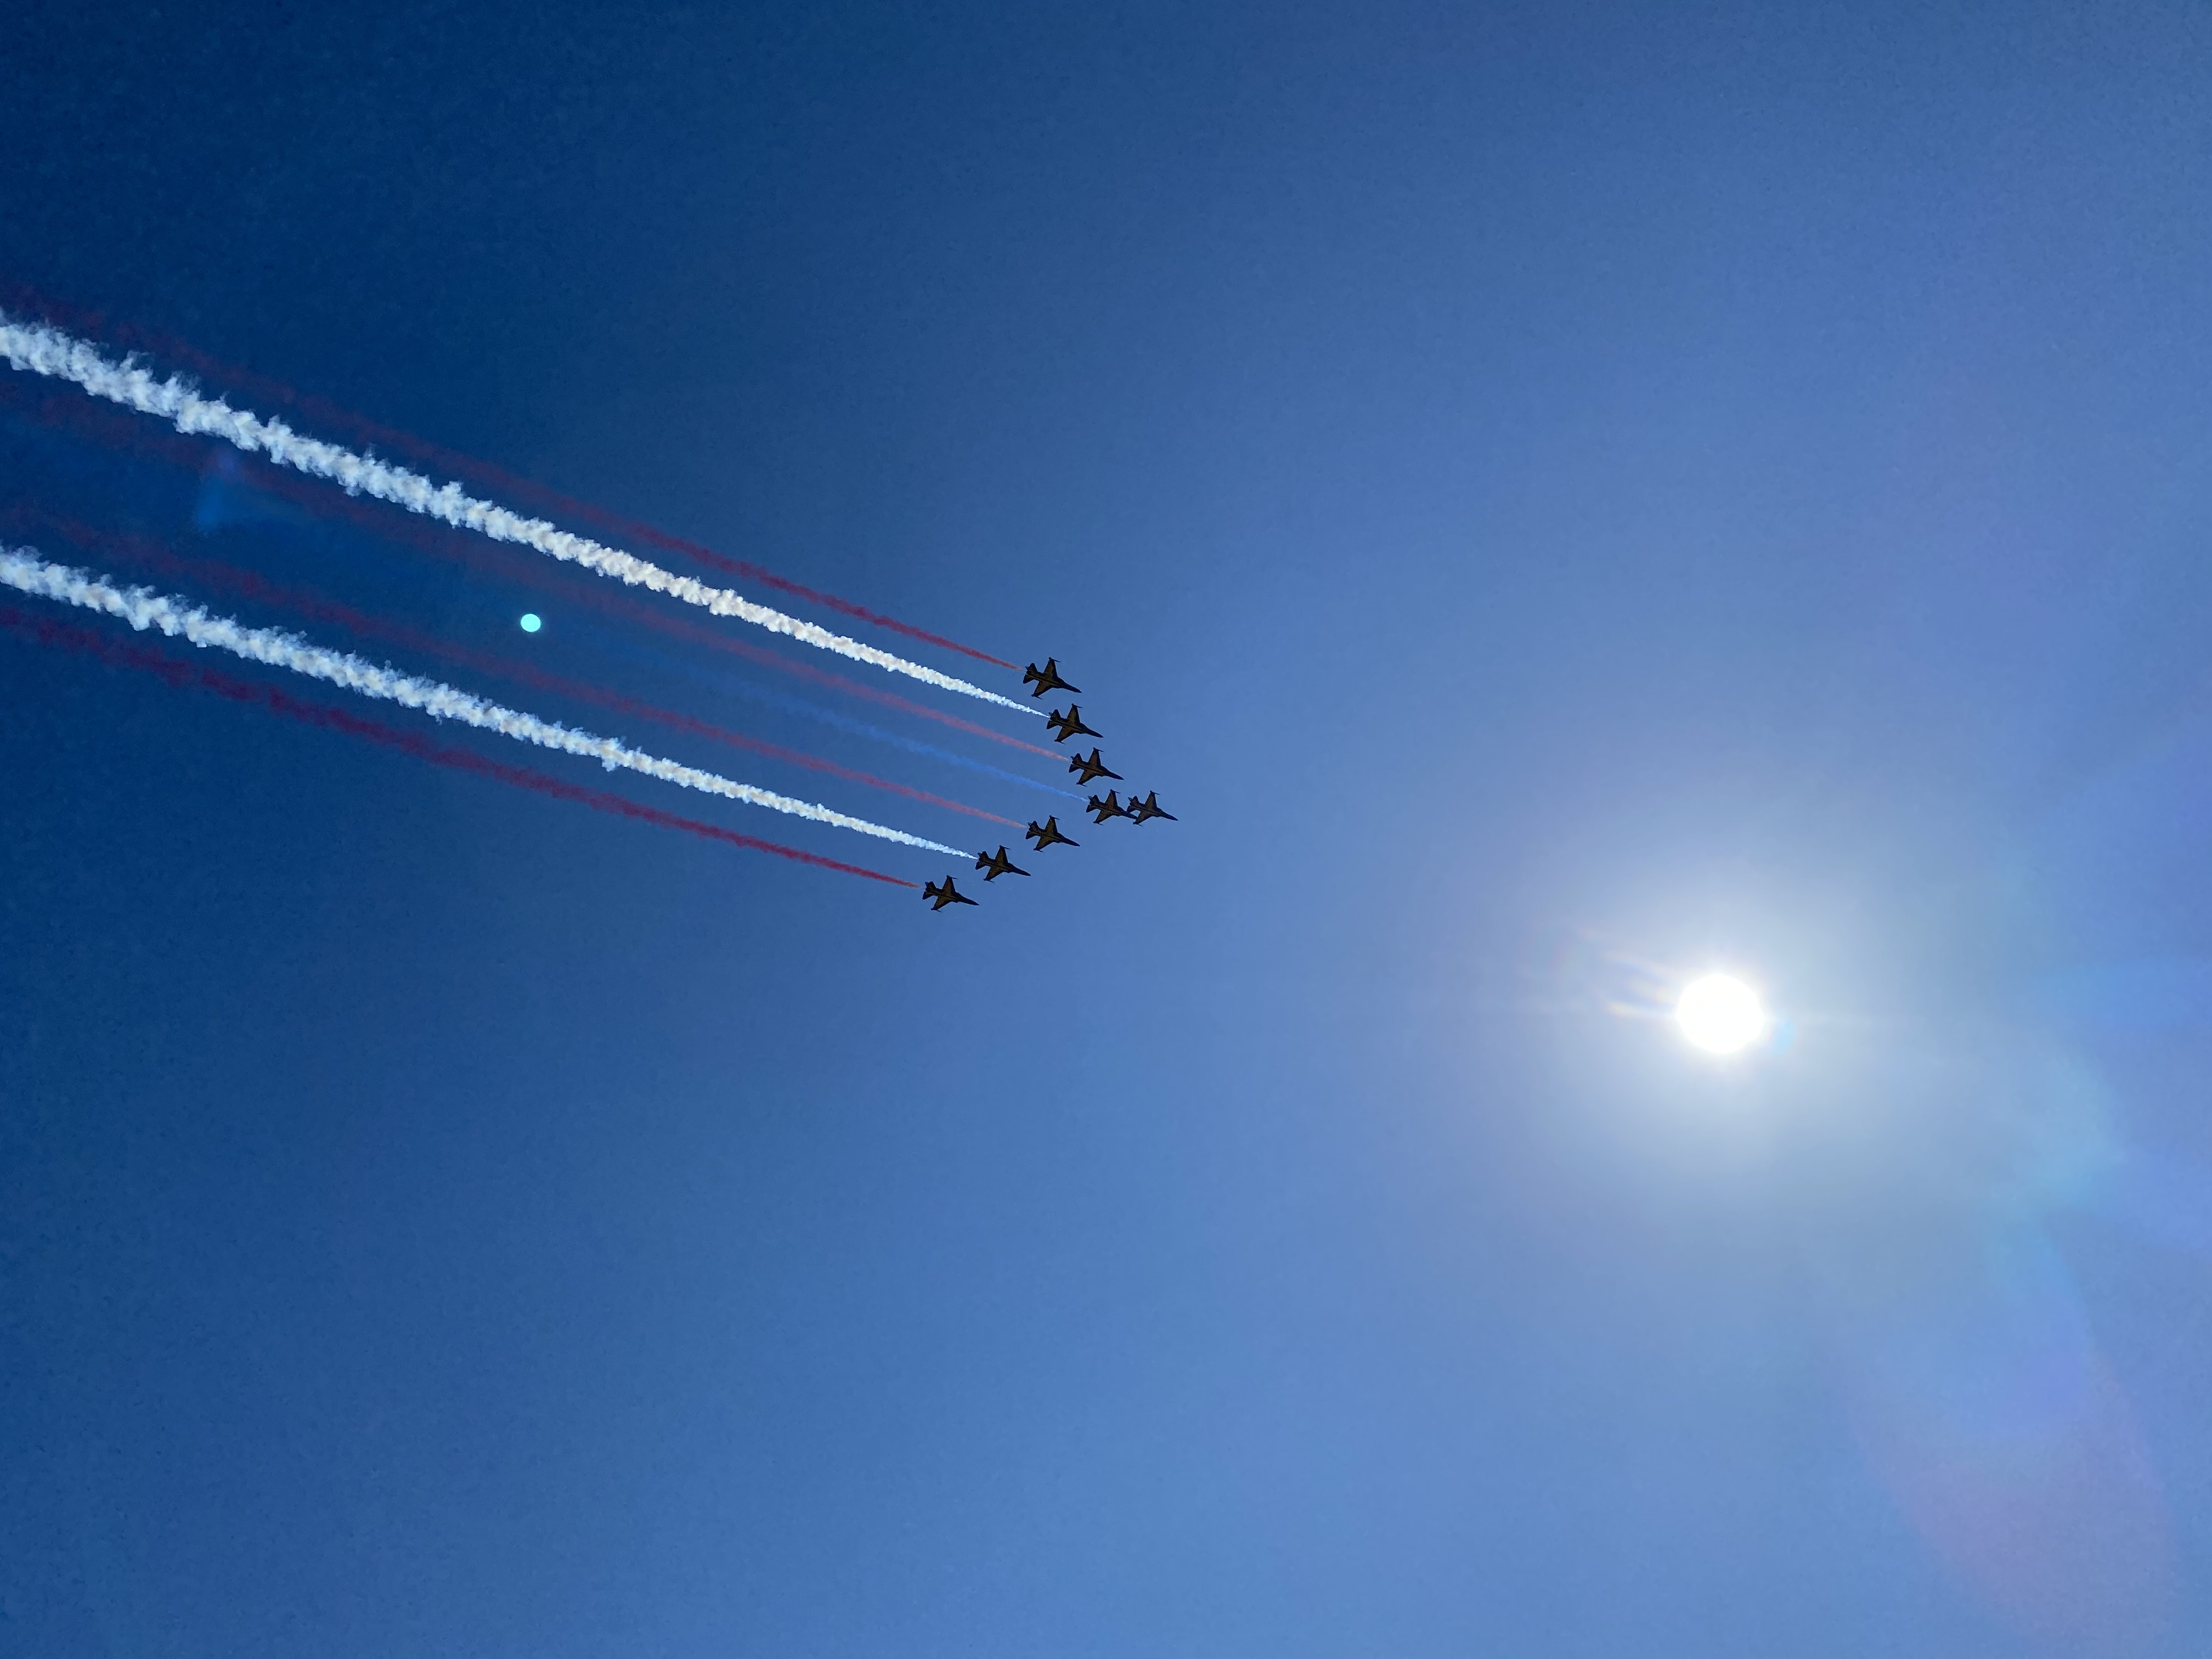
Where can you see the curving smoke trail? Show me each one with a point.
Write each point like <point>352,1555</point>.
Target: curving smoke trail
<point>51,630</point>
<point>25,571</point>
<point>47,352</point>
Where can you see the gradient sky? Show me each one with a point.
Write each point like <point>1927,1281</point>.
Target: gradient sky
<point>1550,494</point>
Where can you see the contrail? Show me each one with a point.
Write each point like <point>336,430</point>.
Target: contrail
<point>251,586</point>
<point>93,422</point>
<point>25,571</point>
<point>714,679</point>
<point>731,685</point>
<point>47,352</point>
<point>15,297</point>
<point>50,631</point>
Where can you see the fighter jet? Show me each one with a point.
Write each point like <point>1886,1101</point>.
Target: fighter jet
<point>1109,808</point>
<point>941,897</point>
<point>1070,725</point>
<point>1149,807</point>
<point>1046,836</point>
<point>998,864</point>
<point>1048,678</point>
<point>1090,769</point>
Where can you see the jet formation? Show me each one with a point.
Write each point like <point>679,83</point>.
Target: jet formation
<point>998,864</point>
<point>1070,725</point>
<point>1049,835</point>
<point>940,895</point>
<point>1087,769</point>
<point>1047,679</point>
<point>1150,808</point>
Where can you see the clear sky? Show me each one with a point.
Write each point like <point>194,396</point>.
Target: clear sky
<point>1557,497</point>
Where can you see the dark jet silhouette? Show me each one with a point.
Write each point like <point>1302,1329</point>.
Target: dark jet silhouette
<point>1090,770</point>
<point>1110,807</point>
<point>1046,836</point>
<point>1070,725</point>
<point>941,897</point>
<point>998,864</point>
<point>1149,807</point>
<point>1048,678</point>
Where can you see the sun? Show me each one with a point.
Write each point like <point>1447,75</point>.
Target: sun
<point>1721,1014</point>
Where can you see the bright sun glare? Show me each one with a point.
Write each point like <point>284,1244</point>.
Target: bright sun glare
<point>1720,1014</point>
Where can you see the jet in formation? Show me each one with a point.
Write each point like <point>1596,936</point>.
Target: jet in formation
<point>1048,678</point>
<point>1049,834</point>
<point>998,864</point>
<point>1088,768</point>
<point>1070,725</point>
<point>1149,807</point>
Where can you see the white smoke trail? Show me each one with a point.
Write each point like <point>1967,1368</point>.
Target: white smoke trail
<point>48,351</point>
<point>22,570</point>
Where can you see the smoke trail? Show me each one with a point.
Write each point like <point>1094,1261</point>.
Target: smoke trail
<point>730,685</point>
<point>47,630</point>
<point>248,585</point>
<point>46,351</point>
<point>443,540</point>
<point>679,627</point>
<point>745,570</point>
<point>142,608</point>
<point>17,298</point>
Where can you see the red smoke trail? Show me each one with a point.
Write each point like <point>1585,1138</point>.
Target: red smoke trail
<point>249,584</point>
<point>320,411</point>
<point>120,430</point>
<point>49,631</point>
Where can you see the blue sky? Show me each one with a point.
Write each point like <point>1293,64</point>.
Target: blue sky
<point>1534,488</point>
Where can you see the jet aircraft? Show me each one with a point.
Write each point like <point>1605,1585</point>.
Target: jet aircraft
<point>1110,807</point>
<point>1090,768</point>
<point>1070,725</point>
<point>1049,834</point>
<point>1149,807</point>
<point>939,896</point>
<point>1048,678</point>
<point>998,864</point>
